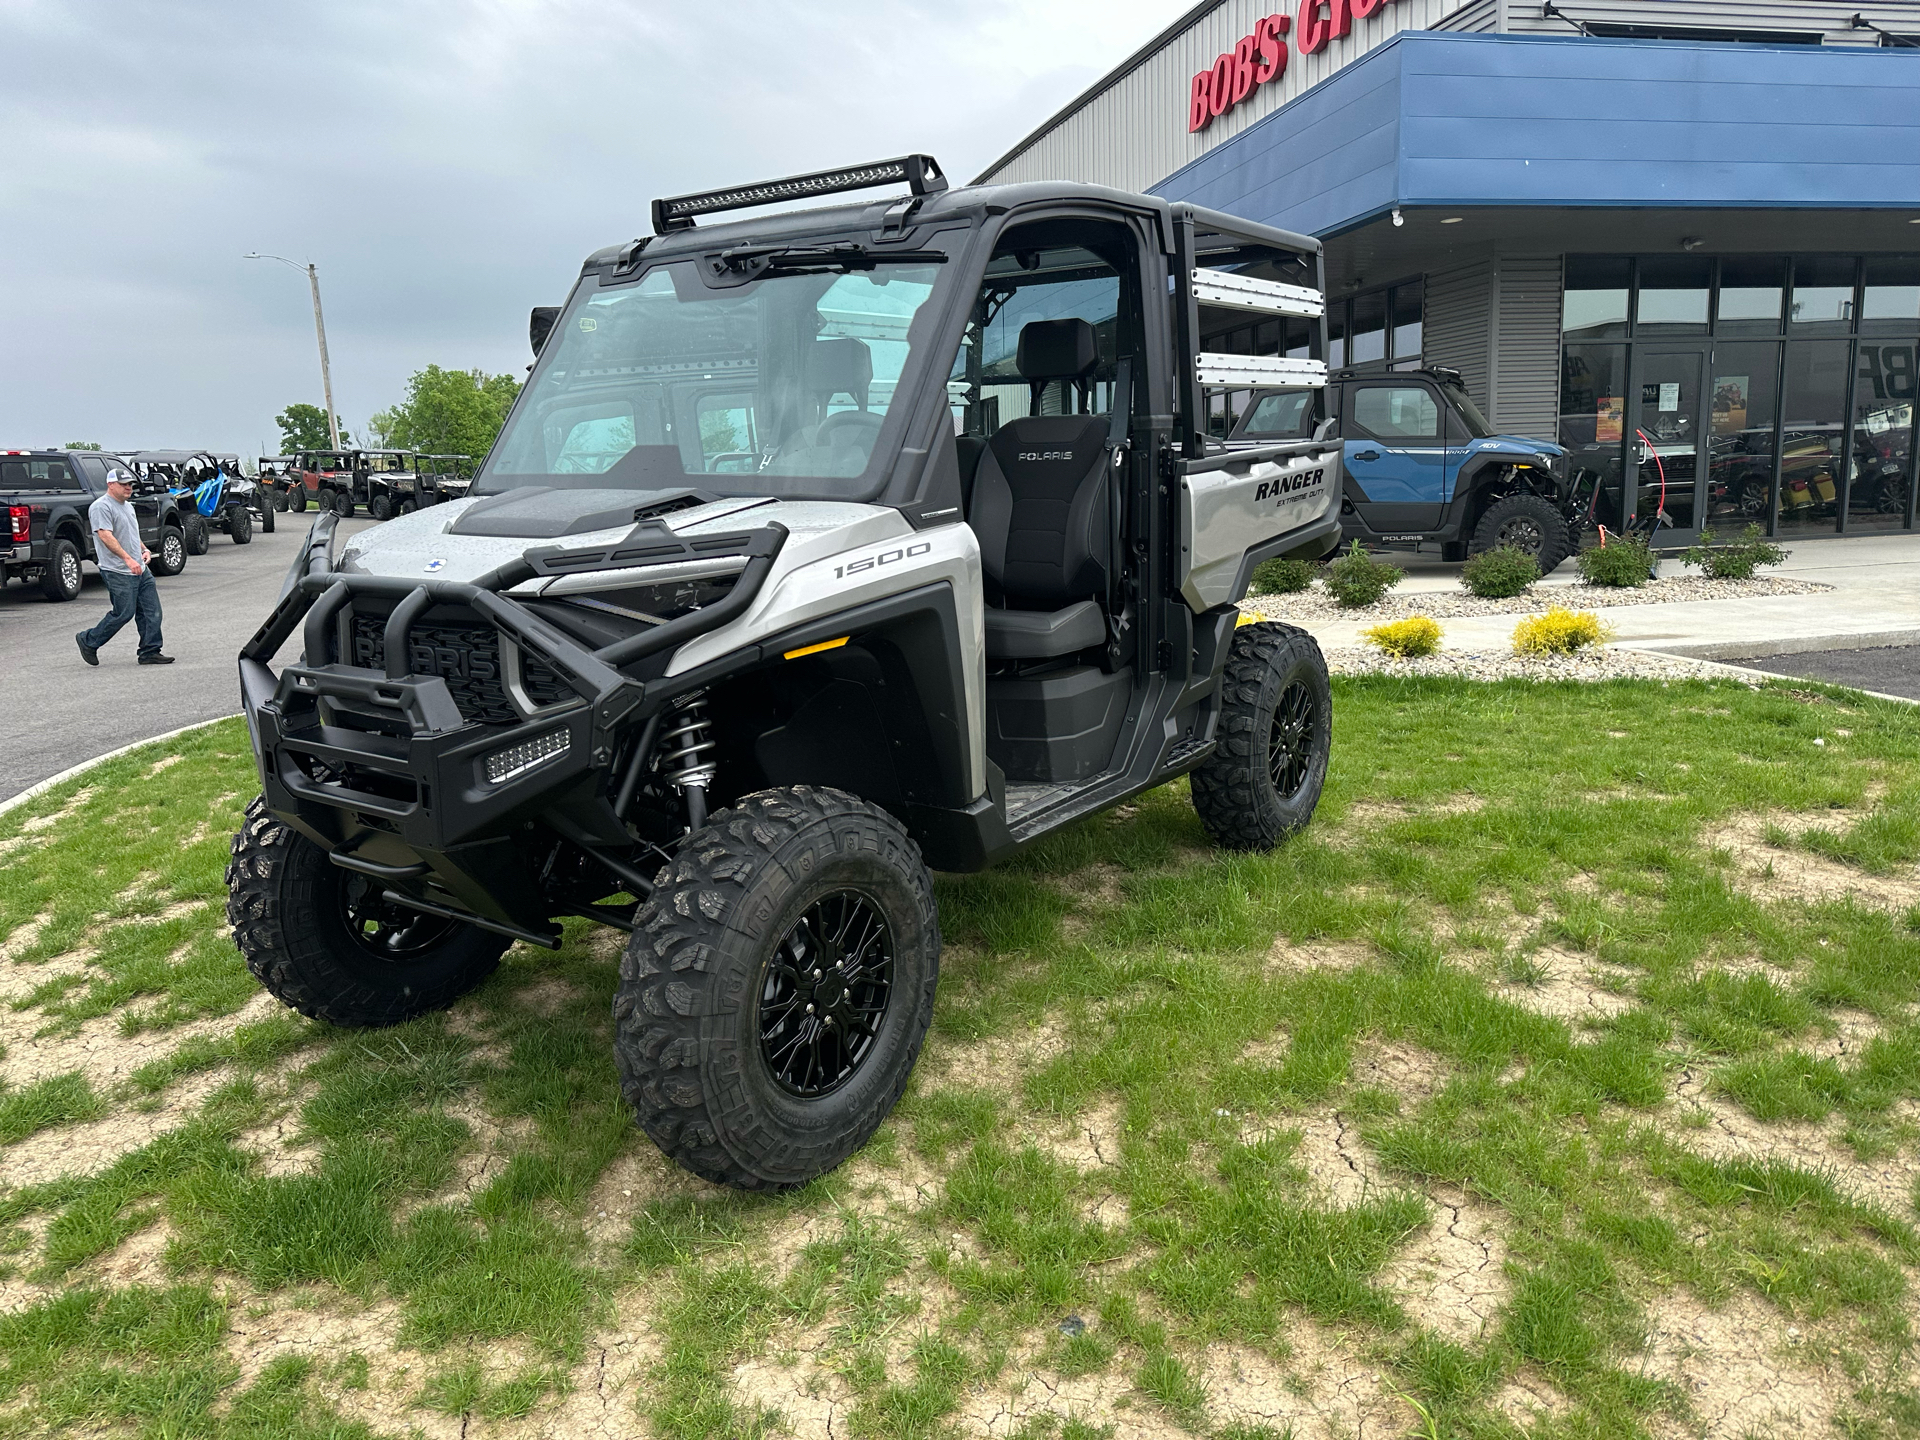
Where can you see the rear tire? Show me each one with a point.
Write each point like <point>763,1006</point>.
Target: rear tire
<point>406,507</point>
<point>240,524</point>
<point>171,557</point>
<point>199,534</point>
<point>380,508</point>
<point>61,579</point>
<point>343,504</point>
<point>1274,735</point>
<point>266,521</point>
<point>320,940</point>
<point>725,1071</point>
<point>297,501</point>
<point>1529,523</point>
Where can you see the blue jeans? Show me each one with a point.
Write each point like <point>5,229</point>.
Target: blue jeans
<point>135,597</point>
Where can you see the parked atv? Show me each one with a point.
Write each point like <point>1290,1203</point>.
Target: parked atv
<point>1422,465</point>
<point>818,550</point>
<point>212,493</point>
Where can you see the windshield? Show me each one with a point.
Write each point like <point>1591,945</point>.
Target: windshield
<point>1287,415</point>
<point>776,387</point>
<point>386,464</point>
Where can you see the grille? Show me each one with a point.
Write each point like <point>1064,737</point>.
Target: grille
<point>467,657</point>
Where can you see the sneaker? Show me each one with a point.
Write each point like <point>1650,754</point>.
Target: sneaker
<point>156,658</point>
<point>87,652</point>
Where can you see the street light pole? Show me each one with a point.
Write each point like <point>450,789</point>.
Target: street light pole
<point>320,330</point>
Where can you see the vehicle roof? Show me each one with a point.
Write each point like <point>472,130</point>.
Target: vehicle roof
<point>967,204</point>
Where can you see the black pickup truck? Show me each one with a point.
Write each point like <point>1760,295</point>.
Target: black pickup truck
<point>45,495</point>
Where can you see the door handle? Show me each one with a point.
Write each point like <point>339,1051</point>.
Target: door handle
<point>1366,454</point>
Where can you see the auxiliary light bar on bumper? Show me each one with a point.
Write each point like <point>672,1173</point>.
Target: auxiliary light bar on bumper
<point>412,793</point>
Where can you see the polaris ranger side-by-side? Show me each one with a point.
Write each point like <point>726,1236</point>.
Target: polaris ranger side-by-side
<point>1423,466</point>
<point>818,549</point>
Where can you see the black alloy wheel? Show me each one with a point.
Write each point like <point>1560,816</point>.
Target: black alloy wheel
<point>824,994</point>
<point>1290,746</point>
<point>1528,523</point>
<point>1522,532</point>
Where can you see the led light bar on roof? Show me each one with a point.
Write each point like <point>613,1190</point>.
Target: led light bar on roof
<point>1229,291</point>
<point>1260,372</point>
<point>921,173</point>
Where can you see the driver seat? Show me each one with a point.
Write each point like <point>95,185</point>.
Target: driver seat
<point>1040,509</point>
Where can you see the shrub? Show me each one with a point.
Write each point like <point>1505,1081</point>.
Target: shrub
<point>1357,579</point>
<point>1624,560</point>
<point>1500,572</point>
<point>1284,576</point>
<point>1559,632</point>
<point>1406,639</point>
<point>1736,561</point>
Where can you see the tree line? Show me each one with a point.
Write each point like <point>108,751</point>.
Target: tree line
<point>444,412</point>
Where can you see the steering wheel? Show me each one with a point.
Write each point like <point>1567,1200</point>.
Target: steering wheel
<point>849,420</point>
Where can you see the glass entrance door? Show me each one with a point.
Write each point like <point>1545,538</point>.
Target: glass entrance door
<point>1667,440</point>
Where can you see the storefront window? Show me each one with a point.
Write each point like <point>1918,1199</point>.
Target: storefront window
<point>1822,294</point>
<point>1891,301</point>
<point>1812,436</point>
<point>1368,344</point>
<point>1883,400</point>
<point>1595,304</point>
<point>1336,334</point>
<point>1742,409</point>
<point>1750,294</point>
<point>1407,302</point>
<point>1593,387</point>
<point>1673,295</point>
<point>1299,340</point>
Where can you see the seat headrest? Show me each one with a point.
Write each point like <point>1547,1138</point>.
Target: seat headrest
<point>840,365</point>
<point>1057,350</point>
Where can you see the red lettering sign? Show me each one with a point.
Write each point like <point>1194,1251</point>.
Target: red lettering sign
<point>1262,55</point>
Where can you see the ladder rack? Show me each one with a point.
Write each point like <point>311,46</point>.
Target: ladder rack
<point>1228,291</point>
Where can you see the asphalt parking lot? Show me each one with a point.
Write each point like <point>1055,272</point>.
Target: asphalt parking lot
<point>58,711</point>
<point>1886,669</point>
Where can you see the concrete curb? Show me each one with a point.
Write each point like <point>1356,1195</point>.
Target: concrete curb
<point>33,791</point>
<point>1788,645</point>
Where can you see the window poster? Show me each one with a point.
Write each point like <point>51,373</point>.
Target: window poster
<point>1669,396</point>
<point>1609,421</point>
<point>1729,415</point>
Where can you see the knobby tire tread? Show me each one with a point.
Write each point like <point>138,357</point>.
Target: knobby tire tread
<point>1228,787</point>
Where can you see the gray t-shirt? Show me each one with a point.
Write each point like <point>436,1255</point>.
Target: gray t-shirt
<point>117,517</point>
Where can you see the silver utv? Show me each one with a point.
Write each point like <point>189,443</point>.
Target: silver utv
<point>818,550</point>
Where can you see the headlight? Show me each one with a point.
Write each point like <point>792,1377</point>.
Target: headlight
<point>503,765</point>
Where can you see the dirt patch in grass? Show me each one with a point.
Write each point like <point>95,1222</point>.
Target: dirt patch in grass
<point>1568,986</point>
<point>1408,1071</point>
<point>1743,1368</point>
<point>89,1148</point>
<point>799,1381</point>
<point>1336,1160</point>
<point>1451,1276</point>
<point>1777,872</point>
<point>1286,957</point>
<point>995,1063</point>
<point>1888,1180</point>
<point>1323,1389</point>
<point>97,1049</point>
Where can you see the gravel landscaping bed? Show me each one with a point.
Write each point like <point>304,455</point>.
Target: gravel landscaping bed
<point>1598,664</point>
<point>1308,606</point>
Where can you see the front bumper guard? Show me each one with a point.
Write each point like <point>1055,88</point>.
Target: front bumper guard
<point>404,794</point>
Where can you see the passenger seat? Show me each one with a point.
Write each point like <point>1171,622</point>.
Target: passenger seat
<point>1040,509</point>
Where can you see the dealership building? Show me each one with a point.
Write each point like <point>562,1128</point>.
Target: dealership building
<point>1682,239</point>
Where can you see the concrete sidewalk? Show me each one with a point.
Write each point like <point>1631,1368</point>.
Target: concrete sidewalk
<point>1875,601</point>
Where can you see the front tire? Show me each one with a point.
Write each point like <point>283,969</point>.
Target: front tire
<point>240,524</point>
<point>199,534</point>
<point>1274,736</point>
<point>266,521</point>
<point>297,501</point>
<point>1529,523</point>
<point>323,942</point>
<point>61,579</point>
<point>777,988</point>
<point>343,504</point>
<point>380,508</point>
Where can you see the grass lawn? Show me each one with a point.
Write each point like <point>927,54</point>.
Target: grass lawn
<point>1562,1080</point>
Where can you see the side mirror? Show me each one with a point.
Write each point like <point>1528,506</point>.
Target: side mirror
<point>540,325</point>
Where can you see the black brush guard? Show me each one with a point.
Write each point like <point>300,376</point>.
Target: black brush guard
<point>408,800</point>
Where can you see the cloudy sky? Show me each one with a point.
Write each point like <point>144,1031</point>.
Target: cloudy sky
<point>446,163</point>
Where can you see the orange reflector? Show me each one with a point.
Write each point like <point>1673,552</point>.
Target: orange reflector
<point>816,649</point>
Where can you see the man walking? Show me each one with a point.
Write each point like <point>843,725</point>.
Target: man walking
<point>123,563</point>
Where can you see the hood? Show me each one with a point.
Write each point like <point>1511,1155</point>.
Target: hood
<point>464,539</point>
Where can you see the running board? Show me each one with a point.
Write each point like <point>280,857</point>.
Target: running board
<point>1036,809</point>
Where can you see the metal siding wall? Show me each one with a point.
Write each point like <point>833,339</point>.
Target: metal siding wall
<point>1456,327</point>
<point>1134,135</point>
<point>1526,363</point>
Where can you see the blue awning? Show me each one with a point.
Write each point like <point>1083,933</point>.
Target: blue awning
<point>1438,119</point>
